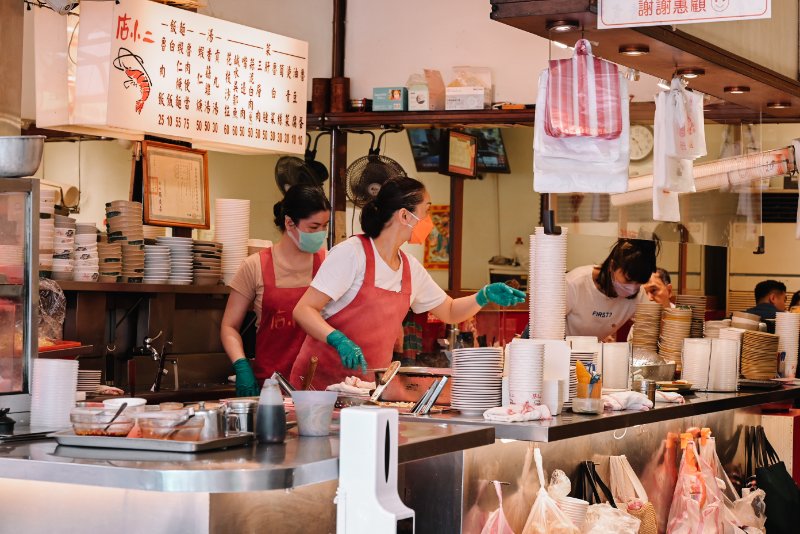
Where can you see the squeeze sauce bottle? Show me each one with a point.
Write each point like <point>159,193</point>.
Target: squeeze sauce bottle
<point>270,417</point>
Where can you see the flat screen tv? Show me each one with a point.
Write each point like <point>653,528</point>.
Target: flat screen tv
<point>426,144</point>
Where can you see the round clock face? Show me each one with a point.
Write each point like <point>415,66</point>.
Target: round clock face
<point>641,142</point>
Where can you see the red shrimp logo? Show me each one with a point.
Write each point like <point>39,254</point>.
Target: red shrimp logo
<point>131,64</point>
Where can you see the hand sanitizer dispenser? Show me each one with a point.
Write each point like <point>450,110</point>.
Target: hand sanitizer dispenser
<point>367,499</point>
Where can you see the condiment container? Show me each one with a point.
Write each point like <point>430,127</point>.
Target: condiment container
<point>271,415</point>
<point>244,410</point>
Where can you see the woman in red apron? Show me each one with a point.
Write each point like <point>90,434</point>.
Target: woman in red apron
<point>359,297</point>
<point>272,282</point>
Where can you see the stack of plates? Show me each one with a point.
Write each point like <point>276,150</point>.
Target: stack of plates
<point>124,220</point>
<point>712,328</point>
<point>53,392</point>
<point>787,327</point>
<point>574,509</point>
<point>745,321</point>
<point>477,379</point>
<point>698,305</point>
<point>676,324</point>
<point>724,368</point>
<point>87,262</point>
<point>525,371</point>
<point>63,247</point>
<point>110,257</point>
<point>157,264</point>
<point>548,297</point>
<point>587,359</point>
<point>647,325</point>
<point>181,269</point>
<point>132,264</point>
<point>47,198</point>
<point>88,380</point>
<point>696,362</point>
<point>732,333</point>
<point>232,229</point>
<point>207,263</point>
<point>759,355</point>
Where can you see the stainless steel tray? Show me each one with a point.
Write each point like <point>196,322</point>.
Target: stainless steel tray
<point>68,437</point>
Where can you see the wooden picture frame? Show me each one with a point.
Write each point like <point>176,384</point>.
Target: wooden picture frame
<point>462,154</point>
<point>175,186</point>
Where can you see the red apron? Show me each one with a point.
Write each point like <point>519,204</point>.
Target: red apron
<point>278,339</point>
<point>371,321</point>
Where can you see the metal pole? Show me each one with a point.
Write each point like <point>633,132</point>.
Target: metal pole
<point>338,222</point>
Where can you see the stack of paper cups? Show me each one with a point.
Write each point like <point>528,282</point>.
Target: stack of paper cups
<point>548,293</point>
<point>525,371</point>
<point>787,326</point>
<point>696,362</point>
<point>232,229</point>
<point>724,373</point>
<point>614,365</point>
<point>53,392</point>
<point>553,395</point>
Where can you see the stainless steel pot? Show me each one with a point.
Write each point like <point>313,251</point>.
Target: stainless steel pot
<point>244,410</point>
<point>20,155</point>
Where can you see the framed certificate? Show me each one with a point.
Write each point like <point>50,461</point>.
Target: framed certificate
<point>175,186</point>
<point>458,154</point>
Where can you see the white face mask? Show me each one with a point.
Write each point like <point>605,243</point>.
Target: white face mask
<point>625,290</point>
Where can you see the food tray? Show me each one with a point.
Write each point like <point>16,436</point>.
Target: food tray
<point>68,437</point>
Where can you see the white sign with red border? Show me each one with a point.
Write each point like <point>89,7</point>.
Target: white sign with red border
<point>632,13</point>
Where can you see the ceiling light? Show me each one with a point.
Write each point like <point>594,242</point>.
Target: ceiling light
<point>690,73</point>
<point>737,89</point>
<point>560,45</point>
<point>662,84</point>
<point>779,105</point>
<point>634,50</point>
<point>562,25</point>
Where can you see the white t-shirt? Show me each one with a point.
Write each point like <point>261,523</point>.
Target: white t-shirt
<point>342,275</point>
<point>592,313</point>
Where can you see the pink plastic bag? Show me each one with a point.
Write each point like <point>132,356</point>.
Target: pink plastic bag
<point>583,96</point>
<point>659,478</point>
<point>546,517</point>
<point>497,522</point>
<point>697,505</point>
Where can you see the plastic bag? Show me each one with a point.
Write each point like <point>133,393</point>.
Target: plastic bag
<point>560,485</point>
<point>52,310</point>
<point>605,519</point>
<point>659,478</point>
<point>545,516</point>
<point>497,522</point>
<point>630,495</point>
<point>583,96</point>
<point>666,206</point>
<point>697,505</point>
<point>687,122</point>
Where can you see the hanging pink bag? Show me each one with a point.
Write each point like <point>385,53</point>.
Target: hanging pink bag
<point>583,96</point>
<point>497,522</point>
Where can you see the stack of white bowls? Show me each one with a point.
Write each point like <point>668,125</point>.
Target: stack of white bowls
<point>181,259</point>
<point>525,371</point>
<point>157,264</point>
<point>87,262</point>
<point>787,326</point>
<point>712,328</point>
<point>614,364</point>
<point>232,229</point>
<point>575,509</point>
<point>548,290</point>
<point>47,199</point>
<point>477,379</point>
<point>53,390</point>
<point>724,367</point>
<point>63,248</point>
<point>696,362</point>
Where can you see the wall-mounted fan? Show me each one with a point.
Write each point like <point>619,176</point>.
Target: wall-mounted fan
<point>291,170</point>
<point>367,174</point>
<point>62,7</point>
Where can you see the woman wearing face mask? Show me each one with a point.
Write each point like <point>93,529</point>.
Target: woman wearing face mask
<point>600,299</point>
<point>271,282</point>
<point>359,297</point>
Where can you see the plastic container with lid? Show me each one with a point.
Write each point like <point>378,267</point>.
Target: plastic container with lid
<point>93,422</point>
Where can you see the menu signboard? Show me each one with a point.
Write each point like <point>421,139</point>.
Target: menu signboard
<point>151,68</point>
<point>628,13</point>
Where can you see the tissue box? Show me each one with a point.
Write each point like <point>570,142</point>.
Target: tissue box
<point>459,98</point>
<point>389,99</point>
<point>419,98</point>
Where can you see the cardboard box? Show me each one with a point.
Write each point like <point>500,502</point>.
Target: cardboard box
<point>461,98</point>
<point>426,93</point>
<point>389,99</point>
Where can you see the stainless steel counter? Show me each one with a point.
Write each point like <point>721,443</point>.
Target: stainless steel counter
<point>298,462</point>
<point>569,425</point>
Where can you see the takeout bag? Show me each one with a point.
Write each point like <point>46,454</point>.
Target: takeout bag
<point>687,139</point>
<point>627,490</point>
<point>583,96</point>
<point>497,522</point>
<point>697,506</point>
<point>545,516</point>
<point>782,495</point>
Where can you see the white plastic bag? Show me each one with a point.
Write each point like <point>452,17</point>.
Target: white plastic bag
<point>686,120</point>
<point>605,519</point>
<point>545,516</point>
<point>497,522</point>
<point>666,206</point>
<point>697,506</point>
<point>625,485</point>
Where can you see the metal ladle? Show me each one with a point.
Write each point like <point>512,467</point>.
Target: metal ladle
<point>119,411</point>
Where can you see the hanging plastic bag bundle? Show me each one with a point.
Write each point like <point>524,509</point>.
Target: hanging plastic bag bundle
<point>497,522</point>
<point>630,495</point>
<point>605,519</point>
<point>545,516</point>
<point>659,477</point>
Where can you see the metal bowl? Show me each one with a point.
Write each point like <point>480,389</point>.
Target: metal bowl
<point>658,372</point>
<point>20,155</point>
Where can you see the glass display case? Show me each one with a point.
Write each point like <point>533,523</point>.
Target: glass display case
<point>19,289</point>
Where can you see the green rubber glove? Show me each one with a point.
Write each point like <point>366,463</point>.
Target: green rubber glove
<point>499,293</point>
<point>246,383</point>
<point>349,352</point>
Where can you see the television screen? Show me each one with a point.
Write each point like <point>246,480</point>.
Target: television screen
<point>425,145</point>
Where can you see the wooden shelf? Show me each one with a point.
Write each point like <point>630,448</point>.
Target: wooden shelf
<point>474,118</point>
<point>143,288</point>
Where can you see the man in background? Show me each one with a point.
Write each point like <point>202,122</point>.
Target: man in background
<point>770,299</point>
<point>659,288</point>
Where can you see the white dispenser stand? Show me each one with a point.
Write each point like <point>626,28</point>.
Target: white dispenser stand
<point>367,499</point>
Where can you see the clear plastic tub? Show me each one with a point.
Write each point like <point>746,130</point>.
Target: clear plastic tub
<point>175,425</point>
<point>594,406</point>
<point>93,422</point>
<point>314,410</point>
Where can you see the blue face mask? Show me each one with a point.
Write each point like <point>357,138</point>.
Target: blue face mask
<point>309,242</point>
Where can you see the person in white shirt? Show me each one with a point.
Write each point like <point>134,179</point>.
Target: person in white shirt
<point>358,299</point>
<point>600,299</point>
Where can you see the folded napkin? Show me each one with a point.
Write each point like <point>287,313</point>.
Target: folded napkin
<point>352,385</point>
<point>626,400</point>
<point>669,396</point>
<point>515,413</point>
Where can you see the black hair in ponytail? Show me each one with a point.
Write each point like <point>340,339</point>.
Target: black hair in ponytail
<point>300,202</point>
<point>395,194</point>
